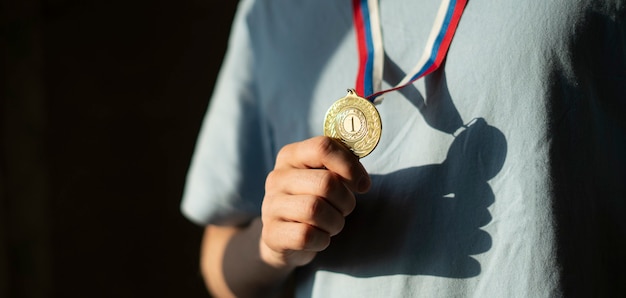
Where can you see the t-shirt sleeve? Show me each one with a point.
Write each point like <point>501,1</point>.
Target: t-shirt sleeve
<point>225,181</point>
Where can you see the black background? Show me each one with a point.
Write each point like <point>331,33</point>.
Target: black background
<point>101,102</point>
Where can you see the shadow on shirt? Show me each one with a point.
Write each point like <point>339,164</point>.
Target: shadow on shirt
<point>425,220</point>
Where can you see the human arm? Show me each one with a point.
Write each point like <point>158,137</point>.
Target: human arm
<point>238,248</point>
<point>307,196</point>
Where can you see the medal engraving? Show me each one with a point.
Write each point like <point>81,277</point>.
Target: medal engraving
<point>356,122</point>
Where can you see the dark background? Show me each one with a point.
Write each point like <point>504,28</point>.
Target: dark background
<point>100,105</point>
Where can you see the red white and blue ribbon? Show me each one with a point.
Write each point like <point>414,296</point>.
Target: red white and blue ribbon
<point>370,45</point>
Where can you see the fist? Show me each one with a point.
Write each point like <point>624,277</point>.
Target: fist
<point>307,197</point>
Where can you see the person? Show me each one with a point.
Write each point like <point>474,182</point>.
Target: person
<point>499,174</point>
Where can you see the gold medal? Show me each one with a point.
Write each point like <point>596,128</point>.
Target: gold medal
<point>356,122</point>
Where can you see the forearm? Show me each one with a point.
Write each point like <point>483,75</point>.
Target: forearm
<point>232,266</point>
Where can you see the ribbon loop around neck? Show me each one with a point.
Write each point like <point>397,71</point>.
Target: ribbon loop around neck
<point>366,18</point>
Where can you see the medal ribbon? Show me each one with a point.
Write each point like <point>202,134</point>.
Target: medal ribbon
<point>366,20</point>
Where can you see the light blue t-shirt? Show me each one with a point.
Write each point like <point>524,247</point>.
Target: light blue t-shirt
<point>499,175</point>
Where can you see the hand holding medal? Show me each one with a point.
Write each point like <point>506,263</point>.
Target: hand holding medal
<point>311,189</point>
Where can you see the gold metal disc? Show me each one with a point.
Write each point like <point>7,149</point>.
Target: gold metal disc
<point>356,122</point>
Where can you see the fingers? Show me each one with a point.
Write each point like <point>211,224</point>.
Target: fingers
<point>288,244</point>
<point>324,152</point>
<point>307,196</point>
<point>315,182</point>
<point>296,237</point>
<point>292,234</point>
<point>306,209</point>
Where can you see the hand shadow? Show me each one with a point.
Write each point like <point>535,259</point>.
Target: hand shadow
<point>425,220</point>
